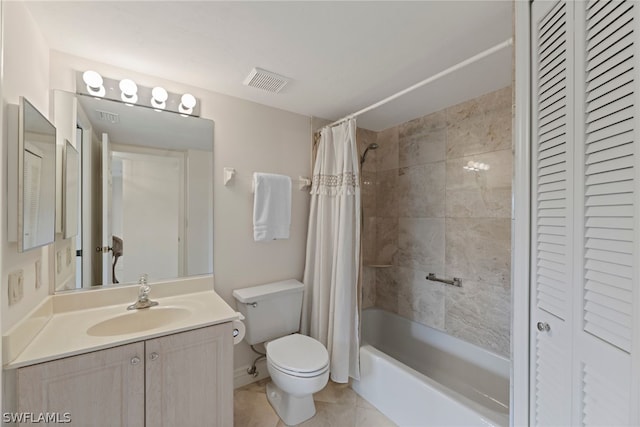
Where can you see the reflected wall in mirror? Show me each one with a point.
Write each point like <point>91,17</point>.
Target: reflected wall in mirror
<point>71,191</point>
<point>146,199</point>
<point>36,178</point>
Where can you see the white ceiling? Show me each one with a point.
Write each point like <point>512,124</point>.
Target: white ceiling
<point>341,56</point>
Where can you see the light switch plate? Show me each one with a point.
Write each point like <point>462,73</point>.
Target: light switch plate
<point>16,286</point>
<point>38,274</point>
<point>58,262</point>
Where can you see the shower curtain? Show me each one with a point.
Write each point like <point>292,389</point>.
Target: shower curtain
<point>333,250</point>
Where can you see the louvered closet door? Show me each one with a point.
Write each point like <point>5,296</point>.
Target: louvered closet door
<point>606,263</point>
<point>585,234</point>
<point>552,135</point>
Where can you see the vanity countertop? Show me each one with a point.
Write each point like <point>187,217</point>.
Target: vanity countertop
<point>67,333</point>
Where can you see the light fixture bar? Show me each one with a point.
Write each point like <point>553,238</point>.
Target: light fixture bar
<point>115,90</point>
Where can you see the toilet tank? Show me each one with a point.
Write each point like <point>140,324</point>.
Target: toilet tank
<point>271,311</point>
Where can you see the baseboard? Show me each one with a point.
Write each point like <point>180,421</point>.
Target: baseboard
<point>242,378</point>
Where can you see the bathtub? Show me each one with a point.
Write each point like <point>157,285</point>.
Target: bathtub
<point>419,376</point>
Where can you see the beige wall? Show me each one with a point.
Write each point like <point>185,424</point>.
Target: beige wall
<point>426,214</point>
<point>25,73</point>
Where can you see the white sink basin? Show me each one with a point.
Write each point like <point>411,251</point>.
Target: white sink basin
<point>138,321</point>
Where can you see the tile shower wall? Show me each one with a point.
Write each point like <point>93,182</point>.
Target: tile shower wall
<point>426,213</point>
<point>368,196</point>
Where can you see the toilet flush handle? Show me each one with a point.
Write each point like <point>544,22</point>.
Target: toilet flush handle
<point>252,304</point>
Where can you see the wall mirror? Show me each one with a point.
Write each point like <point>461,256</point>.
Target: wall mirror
<point>36,178</point>
<point>146,194</point>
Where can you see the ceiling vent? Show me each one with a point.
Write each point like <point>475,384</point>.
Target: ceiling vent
<point>266,80</point>
<point>106,116</point>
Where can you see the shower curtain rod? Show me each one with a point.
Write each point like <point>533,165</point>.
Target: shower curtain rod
<point>428,80</point>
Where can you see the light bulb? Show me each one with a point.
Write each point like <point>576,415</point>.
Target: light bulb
<point>129,90</point>
<point>187,102</point>
<point>94,81</point>
<point>159,97</point>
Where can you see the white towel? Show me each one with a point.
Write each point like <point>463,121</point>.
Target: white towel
<point>271,206</point>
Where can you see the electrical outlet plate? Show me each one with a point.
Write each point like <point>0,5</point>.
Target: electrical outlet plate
<point>38,274</point>
<point>16,286</point>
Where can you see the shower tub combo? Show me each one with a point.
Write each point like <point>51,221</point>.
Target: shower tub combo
<point>419,376</point>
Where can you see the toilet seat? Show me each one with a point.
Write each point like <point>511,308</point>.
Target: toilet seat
<point>298,374</point>
<point>298,355</point>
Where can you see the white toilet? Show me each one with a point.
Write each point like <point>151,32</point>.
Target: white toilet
<point>298,364</point>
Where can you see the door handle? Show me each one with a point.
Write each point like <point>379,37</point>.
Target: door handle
<point>543,327</point>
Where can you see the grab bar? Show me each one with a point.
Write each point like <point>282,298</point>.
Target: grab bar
<point>455,282</point>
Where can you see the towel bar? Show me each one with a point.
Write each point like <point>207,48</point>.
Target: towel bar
<point>455,282</point>
<point>230,174</point>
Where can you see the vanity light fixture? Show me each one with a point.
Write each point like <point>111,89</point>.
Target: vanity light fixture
<point>129,91</point>
<point>94,81</point>
<point>187,102</point>
<point>159,97</point>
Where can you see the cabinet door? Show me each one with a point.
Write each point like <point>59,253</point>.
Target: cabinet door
<point>189,378</point>
<point>103,388</point>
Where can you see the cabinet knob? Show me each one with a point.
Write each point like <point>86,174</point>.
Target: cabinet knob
<point>154,356</point>
<point>135,360</point>
<point>543,326</point>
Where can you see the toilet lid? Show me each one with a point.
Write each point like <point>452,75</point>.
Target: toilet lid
<point>298,353</point>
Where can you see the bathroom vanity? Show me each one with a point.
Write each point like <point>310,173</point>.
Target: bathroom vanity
<point>167,365</point>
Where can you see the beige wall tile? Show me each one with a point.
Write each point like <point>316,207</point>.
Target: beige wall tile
<point>421,191</point>
<point>480,125</point>
<point>422,140</point>
<point>480,313</point>
<point>451,222</point>
<point>368,193</point>
<point>387,193</point>
<point>421,244</point>
<point>479,249</point>
<point>368,287</point>
<point>387,289</point>
<point>369,240</point>
<point>387,153</point>
<point>387,240</point>
<point>480,194</point>
<point>419,299</point>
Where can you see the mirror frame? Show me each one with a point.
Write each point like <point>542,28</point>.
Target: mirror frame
<point>21,148</point>
<point>70,199</point>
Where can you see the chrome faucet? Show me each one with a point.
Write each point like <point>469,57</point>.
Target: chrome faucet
<point>143,295</point>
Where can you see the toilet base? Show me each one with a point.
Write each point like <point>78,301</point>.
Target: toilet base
<point>292,410</point>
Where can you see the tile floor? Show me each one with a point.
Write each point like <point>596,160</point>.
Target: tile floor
<point>336,406</point>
